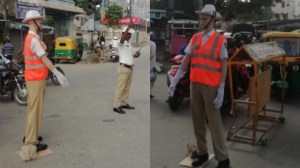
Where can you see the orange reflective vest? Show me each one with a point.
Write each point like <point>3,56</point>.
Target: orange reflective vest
<point>35,69</point>
<point>205,60</point>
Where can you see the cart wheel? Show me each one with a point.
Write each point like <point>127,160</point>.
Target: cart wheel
<point>263,141</point>
<point>232,114</point>
<point>281,120</point>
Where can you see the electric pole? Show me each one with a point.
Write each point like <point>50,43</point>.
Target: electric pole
<point>200,8</point>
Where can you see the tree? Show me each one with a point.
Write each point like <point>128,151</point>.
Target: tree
<point>89,6</point>
<point>82,4</point>
<point>48,20</point>
<point>114,13</point>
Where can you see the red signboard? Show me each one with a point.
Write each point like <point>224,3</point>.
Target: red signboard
<point>126,20</point>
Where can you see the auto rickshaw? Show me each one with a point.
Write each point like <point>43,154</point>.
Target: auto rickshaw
<point>68,48</point>
<point>290,42</point>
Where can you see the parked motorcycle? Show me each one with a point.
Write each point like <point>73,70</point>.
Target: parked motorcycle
<point>12,81</point>
<point>182,89</point>
<point>51,75</point>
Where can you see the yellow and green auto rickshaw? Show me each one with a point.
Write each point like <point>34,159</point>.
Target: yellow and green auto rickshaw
<point>290,42</point>
<point>68,48</point>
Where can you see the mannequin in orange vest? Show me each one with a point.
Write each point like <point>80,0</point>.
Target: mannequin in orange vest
<point>36,72</point>
<point>207,54</point>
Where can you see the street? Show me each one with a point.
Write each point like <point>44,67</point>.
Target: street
<point>172,131</point>
<point>79,124</point>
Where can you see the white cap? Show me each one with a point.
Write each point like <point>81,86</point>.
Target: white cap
<point>210,9</point>
<point>115,38</point>
<point>31,15</point>
<point>131,31</point>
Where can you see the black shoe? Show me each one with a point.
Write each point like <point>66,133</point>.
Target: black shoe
<point>127,106</point>
<point>41,147</point>
<point>119,110</point>
<point>39,139</point>
<point>199,160</point>
<point>224,164</point>
<point>194,155</point>
<point>151,96</point>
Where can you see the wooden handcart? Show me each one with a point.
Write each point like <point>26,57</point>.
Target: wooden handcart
<point>259,118</point>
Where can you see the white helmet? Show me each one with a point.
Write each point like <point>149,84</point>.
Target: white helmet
<point>31,15</point>
<point>210,9</point>
<point>131,31</point>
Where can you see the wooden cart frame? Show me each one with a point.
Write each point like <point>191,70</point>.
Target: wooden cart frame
<point>257,55</point>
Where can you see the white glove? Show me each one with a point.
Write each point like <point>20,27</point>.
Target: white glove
<point>219,99</point>
<point>174,82</point>
<point>61,78</point>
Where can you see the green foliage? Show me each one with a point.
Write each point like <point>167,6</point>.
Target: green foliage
<point>82,4</point>
<point>89,7</point>
<point>114,13</point>
<point>48,20</point>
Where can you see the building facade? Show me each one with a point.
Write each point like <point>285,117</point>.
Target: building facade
<point>13,11</point>
<point>140,8</point>
<point>286,9</point>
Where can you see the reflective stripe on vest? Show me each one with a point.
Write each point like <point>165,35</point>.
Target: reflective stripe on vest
<point>205,61</point>
<point>35,69</point>
<point>37,66</point>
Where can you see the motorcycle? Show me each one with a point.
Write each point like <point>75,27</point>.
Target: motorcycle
<point>12,81</point>
<point>182,89</point>
<point>51,75</point>
<point>114,55</point>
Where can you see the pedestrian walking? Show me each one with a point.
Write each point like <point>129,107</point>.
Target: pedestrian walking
<point>8,49</point>
<point>153,71</point>
<point>124,71</point>
<point>36,72</point>
<point>208,56</point>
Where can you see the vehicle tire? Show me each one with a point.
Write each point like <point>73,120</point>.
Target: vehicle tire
<point>175,101</point>
<point>53,77</point>
<point>115,60</point>
<point>20,98</point>
<point>74,60</point>
<point>78,57</point>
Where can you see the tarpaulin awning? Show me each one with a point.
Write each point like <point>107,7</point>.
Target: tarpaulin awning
<point>56,5</point>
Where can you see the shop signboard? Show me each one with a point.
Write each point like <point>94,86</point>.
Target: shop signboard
<point>126,20</point>
<point>23,7</point>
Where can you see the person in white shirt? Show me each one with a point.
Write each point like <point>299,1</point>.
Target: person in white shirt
<point>124,71</point>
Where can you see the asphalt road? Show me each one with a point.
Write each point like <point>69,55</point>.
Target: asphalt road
<point>171,131</point>
<point>79,124</point>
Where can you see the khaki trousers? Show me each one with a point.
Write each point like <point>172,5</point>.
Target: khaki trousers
<point>202,106</point>
<point>123,86</point>
<point>35,98</point>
